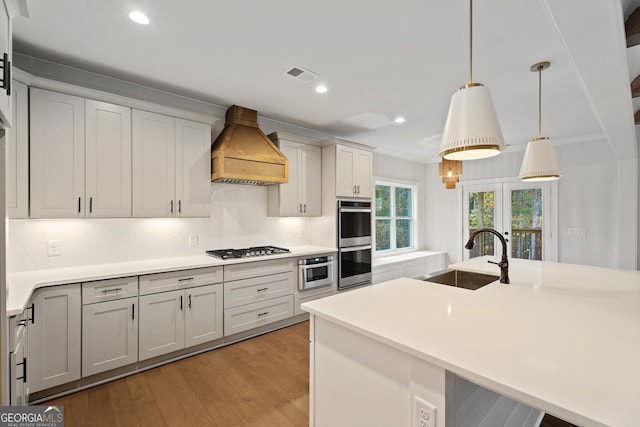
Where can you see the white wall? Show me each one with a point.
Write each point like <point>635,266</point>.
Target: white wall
<point>238,219</point>
<point>588,198</point>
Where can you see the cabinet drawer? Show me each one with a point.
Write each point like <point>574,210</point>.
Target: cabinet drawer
<point>108,290</point>
<point>162,282</point>
<point>256,289</point>
<point>255,269</point>
<point>239,319</point>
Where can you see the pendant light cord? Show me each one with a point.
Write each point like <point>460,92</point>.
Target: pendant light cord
<point>540,67</point>
<point>470,42</point>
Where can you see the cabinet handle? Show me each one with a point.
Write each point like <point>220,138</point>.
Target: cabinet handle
<point>262,289</point>
<point>6,73</point>
<point>358,189</point>
<point>179,206</point>
<point>189,301</point>
<point>305,208</point>
<point>354,189</point>
<point>300,208</point>
<point>171,203</point>
<point>33,313</point>
<point>24,370</point>
<point>90,204</point>
<point>133,311</point>
<point>180,302</point>
<point>23,322</point>
<point>106,291</point>
<point>263,314</point>
<point>186,279</point>
<point>78,204</point>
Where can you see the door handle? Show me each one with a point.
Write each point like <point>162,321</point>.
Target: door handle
<point>90,204</point>
<point>171,206</point>
<point>133,311</point>
<point>180,302</point>
<point>179,206</point>
<point>189,301</point>
<point>24,370</point>
<point>6,74</point>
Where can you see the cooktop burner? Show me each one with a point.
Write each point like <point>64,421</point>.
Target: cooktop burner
<point>247,252</point>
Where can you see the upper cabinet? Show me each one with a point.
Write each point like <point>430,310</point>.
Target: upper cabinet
<point>17,175</point>
<point>302,195</point>
<point>171,166</point>
<point>5,62</point>
<point>351,168</point>
<point>80,161</point>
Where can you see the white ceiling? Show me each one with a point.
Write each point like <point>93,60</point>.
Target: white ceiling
<point>379,59</point>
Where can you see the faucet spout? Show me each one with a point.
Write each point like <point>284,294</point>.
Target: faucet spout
<point>504,261</point>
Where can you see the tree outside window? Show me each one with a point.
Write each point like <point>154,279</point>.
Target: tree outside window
<point>394,216</point>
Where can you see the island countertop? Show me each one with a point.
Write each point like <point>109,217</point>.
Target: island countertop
<point>561,338</point>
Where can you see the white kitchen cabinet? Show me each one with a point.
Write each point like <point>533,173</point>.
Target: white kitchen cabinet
<point>6,59</point>
<point>171,321</point>
<point>171,166</point>
<point>302,195</point>
<point>193,169</point>
<point>203,314</point>
<point>57,155</point>
<point>80,157</point>
<point>54,337</point>
<point>17,175</point>
<point>354,172</point>
<point>109,324</point>
<point>179,309</point>
<point>18,360</point>
<point>108,160</point>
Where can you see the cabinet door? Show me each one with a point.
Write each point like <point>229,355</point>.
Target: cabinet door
<point>289,201</point>
<point>57,155</point>
<point>193,169</point>
<point>312,176</point>
<point>161,324</point>
<point>5,47</point>
<point>108,159</point>
<point>153,164</point>
<point>18,389</point>
<point>18,154</point>
<point>204,314</point>
<point>54,337</point>
<point>363,173</point>
<point>344,172</point>
<point>109,335</point>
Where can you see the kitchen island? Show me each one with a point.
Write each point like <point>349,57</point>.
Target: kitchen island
<point>561,338</point>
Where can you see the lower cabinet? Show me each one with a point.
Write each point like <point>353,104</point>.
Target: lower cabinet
<point>171,321</point>
<point>109,335</point>
<point>54,337</point>
<point>245,317</point>
<point>18,359</point>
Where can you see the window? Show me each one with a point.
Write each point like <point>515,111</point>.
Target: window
<point>395,206</point>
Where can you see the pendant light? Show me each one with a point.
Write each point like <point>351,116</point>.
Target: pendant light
<point>450,171</point>
<point>472,130</point>
<point>539,162</point>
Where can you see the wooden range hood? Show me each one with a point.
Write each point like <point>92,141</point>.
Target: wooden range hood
<point>243,154</point>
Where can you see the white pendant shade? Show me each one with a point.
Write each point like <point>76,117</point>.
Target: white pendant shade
<point>472,130</point>
<point>539,162</point>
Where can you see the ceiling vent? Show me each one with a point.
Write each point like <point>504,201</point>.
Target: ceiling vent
<point>301,74</point>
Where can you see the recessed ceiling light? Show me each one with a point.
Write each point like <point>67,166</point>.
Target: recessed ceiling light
<point>139,17</point>
<point>399,120</point>
<point>321,89</point>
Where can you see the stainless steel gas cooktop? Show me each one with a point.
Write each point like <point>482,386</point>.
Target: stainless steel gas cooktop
<point>247,252</point>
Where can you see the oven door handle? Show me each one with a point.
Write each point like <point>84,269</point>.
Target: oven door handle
<point>309,266</point>
<point>355,210</point>
<point>355,248</point>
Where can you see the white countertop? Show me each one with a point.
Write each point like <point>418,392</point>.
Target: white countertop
<point>20,285</point>
<point>561,338</point>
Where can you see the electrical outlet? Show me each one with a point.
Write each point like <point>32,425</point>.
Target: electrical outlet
<point>576,232</point>
<point>300,234</point>
<point>53,248</point>
<point>424,413</point>
<point>193,240</point>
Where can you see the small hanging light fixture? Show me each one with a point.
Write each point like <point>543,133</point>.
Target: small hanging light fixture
<point>450,171</point>
<point>472,130</point>
<point>540,162</point>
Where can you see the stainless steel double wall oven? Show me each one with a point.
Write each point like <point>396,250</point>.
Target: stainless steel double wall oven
<point>354,243</point>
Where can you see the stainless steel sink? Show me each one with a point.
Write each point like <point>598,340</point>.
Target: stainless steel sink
<point>463,279</point>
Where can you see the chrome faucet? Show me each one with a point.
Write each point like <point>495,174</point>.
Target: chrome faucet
<point>504,262</point>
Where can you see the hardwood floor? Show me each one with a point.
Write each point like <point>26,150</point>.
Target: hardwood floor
<point>263,381</point>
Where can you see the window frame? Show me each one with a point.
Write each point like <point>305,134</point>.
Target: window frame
<point>379,253</point>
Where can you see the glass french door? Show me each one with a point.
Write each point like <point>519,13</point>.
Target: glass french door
<point>525,214</point>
